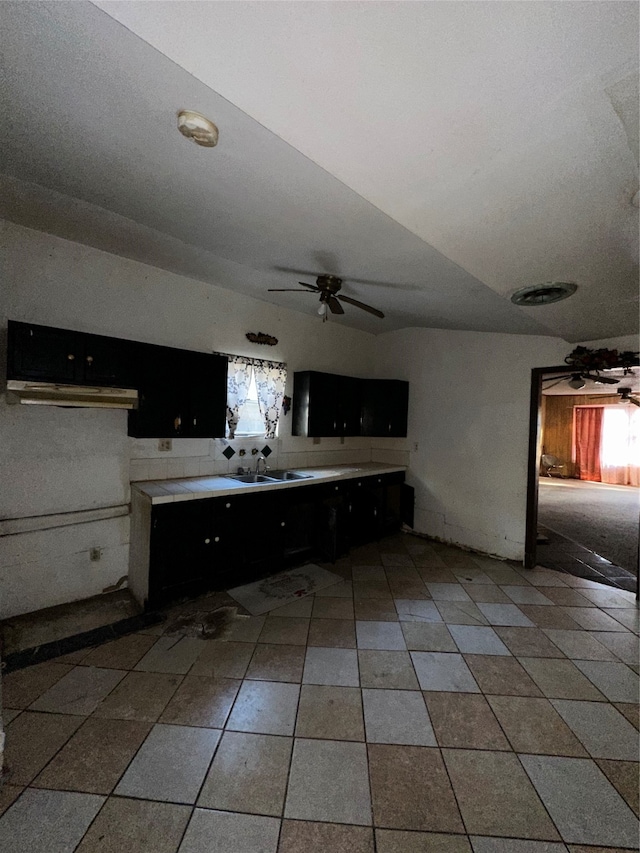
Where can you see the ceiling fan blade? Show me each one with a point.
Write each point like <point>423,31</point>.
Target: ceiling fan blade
<point>557,378</point>
<point>334,305</point>
<point>361,305</point>
<point>557,382</point>
<point>634,400</point>
<point>286,290</point>
<point>311,286</point>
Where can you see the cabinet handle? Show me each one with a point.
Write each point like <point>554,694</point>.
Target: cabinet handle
<point>89,359</point>
<point>216,539</point>
<point>207,541</point>
<point>336,488</point>
<point>379,480</point>
<point>359,484</point>
<point>71,356</point>
<point>227,506</point>
<point>283,524</point>
<point>194,421</point>
<point>177,423</point>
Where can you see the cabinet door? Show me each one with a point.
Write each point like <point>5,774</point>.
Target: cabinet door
<point>349,390</point>
<point>385,406</point>
<point>366,507</point>
<point>315,404</point>
<point>42,353</point>
<point>160,412</point>
<point>109,362</point>
<point>204,385</point>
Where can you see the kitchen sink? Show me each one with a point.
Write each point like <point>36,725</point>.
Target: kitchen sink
<point>250,478</point>
<point>288,475</point>
<point>271,477</point>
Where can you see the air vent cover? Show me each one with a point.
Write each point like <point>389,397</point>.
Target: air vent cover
<point>544,294</point>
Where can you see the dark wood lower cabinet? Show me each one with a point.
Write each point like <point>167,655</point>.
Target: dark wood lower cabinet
<point>218,543</point>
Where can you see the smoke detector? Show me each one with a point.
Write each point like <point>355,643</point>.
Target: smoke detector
<point>198,128</point>
<point>544,294</point>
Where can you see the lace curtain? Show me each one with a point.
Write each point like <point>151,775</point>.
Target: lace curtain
<point>238,381</point>
<point>620,448</point>
<point>270,379</point>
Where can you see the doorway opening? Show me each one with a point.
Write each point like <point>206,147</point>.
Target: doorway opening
<point>583,498</point>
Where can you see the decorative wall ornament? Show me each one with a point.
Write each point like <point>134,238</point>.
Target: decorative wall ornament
<point>262,338</point>
<point>595,360</point>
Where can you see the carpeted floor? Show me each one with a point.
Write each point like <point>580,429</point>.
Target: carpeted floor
<point>600,517</point>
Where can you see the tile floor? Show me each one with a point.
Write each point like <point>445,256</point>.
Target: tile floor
<point>432,702</point>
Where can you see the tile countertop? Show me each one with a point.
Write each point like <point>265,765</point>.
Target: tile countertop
<point>194,488</point>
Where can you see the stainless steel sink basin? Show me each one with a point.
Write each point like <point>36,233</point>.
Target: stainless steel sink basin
<point>250,478</point>
<point>288,475</point>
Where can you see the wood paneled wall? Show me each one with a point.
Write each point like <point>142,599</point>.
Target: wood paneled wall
<point>557,423</point>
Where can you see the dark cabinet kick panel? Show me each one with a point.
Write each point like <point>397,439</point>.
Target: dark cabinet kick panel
<point>218,543</point>
<point>182,393</point>
<point>327,404</point>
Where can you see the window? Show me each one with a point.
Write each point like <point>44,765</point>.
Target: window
<point>255,389</point>
<point>250,421</point>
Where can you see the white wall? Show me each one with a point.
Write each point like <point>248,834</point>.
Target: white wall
<point>56,460</point>
<point>469,415</point>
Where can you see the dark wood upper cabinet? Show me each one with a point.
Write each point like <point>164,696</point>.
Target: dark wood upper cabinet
<point>46,354</point>
<point>385,405</point>
<point>181,393</point>
<point>327,404</point>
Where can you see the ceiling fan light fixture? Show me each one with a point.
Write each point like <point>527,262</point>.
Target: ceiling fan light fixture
<point>576,381</point>
<point>198,128</point>
<point>544,294</point>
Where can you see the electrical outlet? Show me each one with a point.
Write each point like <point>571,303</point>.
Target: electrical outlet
<point>95,554</point>
<point>316,439</point>
<point>165,444</point>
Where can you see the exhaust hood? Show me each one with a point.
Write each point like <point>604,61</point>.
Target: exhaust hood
<point>71,396</point>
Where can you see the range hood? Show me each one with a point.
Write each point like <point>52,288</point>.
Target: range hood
<point>71,396</point>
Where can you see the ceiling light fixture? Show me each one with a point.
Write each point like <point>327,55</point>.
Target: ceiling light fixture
<point>198,128</point>
<point>544,294</point>
<point>576,381</point>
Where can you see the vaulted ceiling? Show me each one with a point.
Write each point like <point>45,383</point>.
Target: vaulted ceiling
<point>436,155</point>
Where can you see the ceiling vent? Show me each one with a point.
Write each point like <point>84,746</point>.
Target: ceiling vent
<point>544,294</point>
<point>198,128</point>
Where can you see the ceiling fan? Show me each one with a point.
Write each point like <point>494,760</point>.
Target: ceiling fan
<point>578,380</point>
<point>328,287</point>
<point>626,396</point>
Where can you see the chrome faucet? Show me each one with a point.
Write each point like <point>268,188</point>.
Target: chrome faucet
<point>261,459</point>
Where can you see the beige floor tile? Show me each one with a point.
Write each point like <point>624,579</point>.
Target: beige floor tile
<point>372,589</point>
<point>276,662</point>
<point>330,713</point>
<point>428,637</point>
<point>21,688</point>
<point>301,608</point>
<point>337,590</point>
<point>123,653</point>
<point>221,659</point>
<point>624,646</point>
<point>501,675</point>
<point>329,782</point>
<point>376,609</point>
<point>560,679</point>
<point>9,714</point>
<point>247,630</point>
<point>410,789</point>
<point>628,617</point>
<point>392,670</point>
<point>431,572</point>
<point>624,777</point>
<point>172,655</point>
<point>417,610</point>
<point>413,589</point>
<point>579,645</point>
<point>396,558</point>
<point>201,701</point>
<point>303,835</point>
<point>139,696</point>
<point>332,633</point>
<point>572,848</point>
<point>79,691</point>
<point>398,841</point>
<point>592,619</point>
<point>528,642</point>
<point>289,631</point>
<point>137,826</point>
<point>333,608</point>
<point>487,592</point>
<point>248,774</point>
<point>567,597</point>
<point>631,711</point>
<point>502,574</point>
<point>265,707</point>
<point>533,725</point>
<point>397,716</point>
<point>543,616</point>
<point>495,795</point>
<point>223,832</point>
<point>8,795</point>
<point>461,613</point>
<point>32,740</point>
<point>96,756</point>
<point>464,720</point>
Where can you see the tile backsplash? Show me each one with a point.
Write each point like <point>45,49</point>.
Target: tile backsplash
<point>206,456</point>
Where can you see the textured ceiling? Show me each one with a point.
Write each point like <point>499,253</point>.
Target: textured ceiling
<point>446,152</point>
